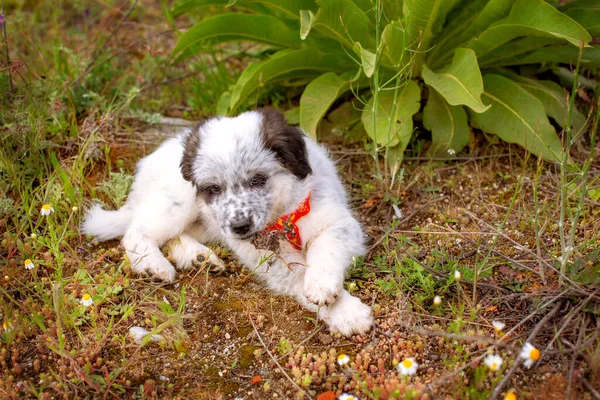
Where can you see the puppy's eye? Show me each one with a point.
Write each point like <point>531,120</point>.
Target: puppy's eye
<point>214,189</point>
<point>257,181</point>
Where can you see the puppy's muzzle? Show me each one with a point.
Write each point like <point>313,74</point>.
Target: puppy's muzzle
<point>241,227</point>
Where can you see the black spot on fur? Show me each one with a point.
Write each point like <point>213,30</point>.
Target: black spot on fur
<point>191,145</point>
<point>286,141</point>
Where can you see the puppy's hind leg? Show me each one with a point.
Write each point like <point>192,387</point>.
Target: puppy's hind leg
<point>156,221</point>
<point>185,252</point>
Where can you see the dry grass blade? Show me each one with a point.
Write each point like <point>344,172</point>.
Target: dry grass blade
<point>275,360</point>
<point>532,336</point>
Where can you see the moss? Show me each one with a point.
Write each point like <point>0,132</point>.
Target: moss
<point>246,356</point>
<point>229,305</point>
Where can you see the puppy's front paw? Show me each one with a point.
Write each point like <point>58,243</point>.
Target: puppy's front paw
<point>164,272</point>
<point>349,316</point>
<point>153,264</point>
<point>159,268</point>
<point>321,289</point>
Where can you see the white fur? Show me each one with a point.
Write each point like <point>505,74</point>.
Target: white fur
<point>163,207</point>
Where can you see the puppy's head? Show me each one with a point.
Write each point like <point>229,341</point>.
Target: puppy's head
<point>247,170</point>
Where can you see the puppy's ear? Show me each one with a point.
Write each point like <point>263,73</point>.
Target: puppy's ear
<point>287,142</point>
<point>191,145</point>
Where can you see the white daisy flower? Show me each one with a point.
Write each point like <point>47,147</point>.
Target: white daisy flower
<point>346,396</point>
<point>7,326</point>
<point>451,152</point>
<point>86,300</point>
<point>343,359</point>
<point>47,209</point>
<point>457,275</point>
<point>408,366</point>
<point>29,264</point>
<point>498,326</point>
<point>437,300</point>
<point>530,354</point>
<point>493,362</point>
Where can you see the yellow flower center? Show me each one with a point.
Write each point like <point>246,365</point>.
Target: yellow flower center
<point>5,325</point>
<point>407,363</point>
<point>341,357</point>
<point>46,207</point>
<point>28,261</point>
<point>534,354</point>
<point>494,366</point>
<point>87,297</point>
<point>510,396</point>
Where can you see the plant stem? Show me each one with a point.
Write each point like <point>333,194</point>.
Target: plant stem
<point>584,175</point>
<point>10,83</point>
<point>376,87</point>
<point>565,247</point>
<point>536,221</point>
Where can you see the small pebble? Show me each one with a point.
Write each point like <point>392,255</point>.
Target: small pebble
<point>138,333</point>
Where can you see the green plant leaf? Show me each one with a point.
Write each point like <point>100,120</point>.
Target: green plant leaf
<point>236,26</point>
<point>292,116</point>
<point>514,49</point>
<point>448,125</point>
<point>517,116</point>
<point>223,103</point>
<point>474,18</point>
<point>318,96</point>
<point>367,59</point>
<point>287,64</point>
<point>553,98</point>
<point>183,6</point>
<point>394,47</point>
<point>493,11</point>
<point>394,123</point>
<point>450,37</point>
<point>394,156</point>
<point>564,54</point>
<point>288,8</point>
<point>422,16</point>
<point>530,17</point>
<point>345,22</point>
<point>579,4</point>
<point>460,83</point>
<point>589,18</point>
<point>307,20</point>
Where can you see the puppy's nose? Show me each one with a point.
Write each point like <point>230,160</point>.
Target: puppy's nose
<point>241,227</point>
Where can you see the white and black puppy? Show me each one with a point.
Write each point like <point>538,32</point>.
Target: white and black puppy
<point>229,180</point>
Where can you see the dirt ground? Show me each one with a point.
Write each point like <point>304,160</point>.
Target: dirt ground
<point>235,339</point>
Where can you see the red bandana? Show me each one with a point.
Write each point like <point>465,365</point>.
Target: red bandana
<point>287,224</point>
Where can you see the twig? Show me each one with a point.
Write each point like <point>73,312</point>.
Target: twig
<point>454,336</point>
<point>275,360</point>
<point>10,83</point>
<point>517,362</point>
<point>568,319</point>
<point>595,394</point>
<point>392,228</point>
<point>302,342</point>
<point>561,273</point>
<point>456,158</point>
